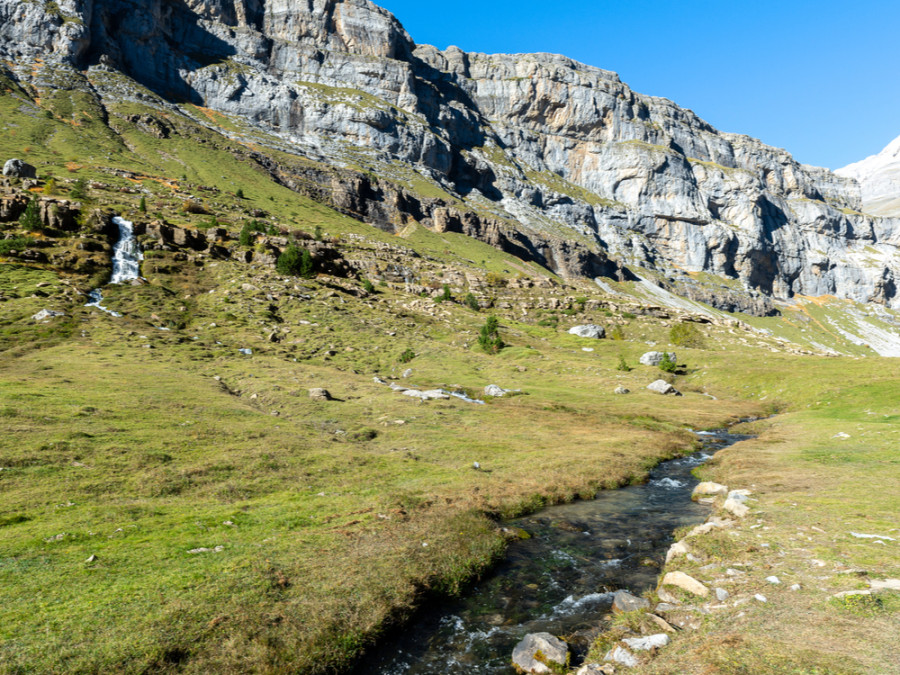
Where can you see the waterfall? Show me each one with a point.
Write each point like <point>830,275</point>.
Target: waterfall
<point>126,261</point>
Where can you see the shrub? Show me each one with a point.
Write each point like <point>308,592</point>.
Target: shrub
<point>30,221</point>
<point>686,335</point>
<point>50,186</point>
<point>79,189</point>
<point>629,315</point>
<point>623,365</point>
<point>240,193</point>
<point>407,355</point>
<point>368,286</point>
<point>445,294</point>
<point>317,233</point>
<point>248,230</point>
<point>307,269</point>
<point>290,261</point>
<point>14,244</point>
<point>667,365</point>
<point>142,205</point>
<point>495,279</point>
<point>472,302</point>
<point>489,339</point>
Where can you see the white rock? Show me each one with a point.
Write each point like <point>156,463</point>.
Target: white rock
<point>795,587</point>
<point>885,585</point>
<point>760,597</point>
<point>621,656</point>
<point>663,387</point>
<point>645,644</point>
<point>709,489</point>
<point>736,508</point>
<point>551,647</point>
<point>721,594</point>
<point>47,314</point>
<point>773,580</point>
<point>494,390</point>
<point>588,331</point>
<point>685,582</point>
<point>675,550</point>
<point>655,358</point>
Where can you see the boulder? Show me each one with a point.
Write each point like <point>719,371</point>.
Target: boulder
<point>319,394</point>
<point>621,656</point>
<point>588,331</point>
<point>623,601</point>
<point>622,391</point>
<point>885,584</point>
<point>675,550</point>
<point>46,315</point>
<point>16,168</point>
<point>709,489</point>
<point>431,394</point>
<point>686,583</point>
<point>736,507</point>
<point>663,387</point>
<point>596,669</point>
<point>655,358</point>
<point>648,642</point>
<point>494,390</point>
<point>540,653</point>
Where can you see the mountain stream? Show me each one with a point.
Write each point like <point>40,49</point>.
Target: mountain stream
<point>561,580</point>
<point>126,261</point>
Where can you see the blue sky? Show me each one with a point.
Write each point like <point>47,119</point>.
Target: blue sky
<point>821,79</point>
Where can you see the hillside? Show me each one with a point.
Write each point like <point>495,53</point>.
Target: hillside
<point>177,496</point>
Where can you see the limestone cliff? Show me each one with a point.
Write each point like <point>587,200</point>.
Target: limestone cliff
<point>536,153</point>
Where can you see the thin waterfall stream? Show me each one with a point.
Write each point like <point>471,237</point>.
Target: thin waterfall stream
<point>126,262</point>
<point>561,580</point>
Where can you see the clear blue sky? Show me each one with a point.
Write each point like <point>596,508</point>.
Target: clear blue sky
<point>820,79</point>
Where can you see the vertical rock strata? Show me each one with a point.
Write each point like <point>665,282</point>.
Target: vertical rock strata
<point>538,154</point>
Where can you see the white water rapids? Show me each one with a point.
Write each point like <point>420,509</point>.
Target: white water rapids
<point>126,261</point>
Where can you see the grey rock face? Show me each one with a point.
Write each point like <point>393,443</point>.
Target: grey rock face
<point>16,168</point>
<point>552,650</point>
<point>588,331</point>
<point>575,170</point>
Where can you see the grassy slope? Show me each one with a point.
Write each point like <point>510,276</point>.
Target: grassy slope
<point>137,455</point>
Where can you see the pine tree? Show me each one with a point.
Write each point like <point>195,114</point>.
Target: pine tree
<point>30,221</point>
<point>489,339</point>
<point>142,207</point>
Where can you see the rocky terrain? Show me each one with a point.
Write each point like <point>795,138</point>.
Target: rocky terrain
<point>549,159</point>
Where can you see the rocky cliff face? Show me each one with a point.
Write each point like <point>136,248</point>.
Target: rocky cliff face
<point>879,180</point>
<point>550,158</point>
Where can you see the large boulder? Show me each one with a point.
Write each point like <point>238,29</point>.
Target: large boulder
<point>588,331</point>
<point>623,601</point>
<point>540,653</point>
<point>686,583</point>
<point>663,387</point>
<point>709,489</point>
<point>16,168</point>
<point>655,358</point>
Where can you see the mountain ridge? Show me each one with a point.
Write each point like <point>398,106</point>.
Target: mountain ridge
<point>879,178</point>
<point>539,154</point>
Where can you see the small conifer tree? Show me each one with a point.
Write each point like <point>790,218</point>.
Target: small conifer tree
<point>489,339</point>
<point>142,206</point>
<point>30,221</point>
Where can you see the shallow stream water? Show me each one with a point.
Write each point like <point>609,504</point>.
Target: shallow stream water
<point>561,580</point>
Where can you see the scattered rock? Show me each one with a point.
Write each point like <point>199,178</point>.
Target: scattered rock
<point>721,594</point>
<point>92,558</point>
<point>685,582</point>
<point>246,352</point>
<point>435,394</point>
<point>621,656</point>
<point>622,390</point>
<point>494,390</point>
<point>663,387</point>
<point>217,549</point>
<point>885,585</point>
<point>319,394</point>
<point>675,550</point>
<point>709,489</point>
<point>46,315</point>
<point>760,597</point>
<point>736,508</point>
<point>655,358</point>
<point>645,644</point>
<point>596,669</point>
<point>773,580</point>
<point>16,168</point>
<point>623,601</point>
<point>662,623</point>
<point>795,587</point>
<point>666,597</point>
<point>407,373</point>
<point>588,331</point>
<point>540,653</point>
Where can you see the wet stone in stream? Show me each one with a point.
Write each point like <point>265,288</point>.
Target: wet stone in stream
<point>561,581</point>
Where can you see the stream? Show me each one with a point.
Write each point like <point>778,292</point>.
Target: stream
<point>561,580</point>
<point>126,261</point>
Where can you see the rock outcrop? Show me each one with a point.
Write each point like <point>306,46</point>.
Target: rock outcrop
<point>539,155</point>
